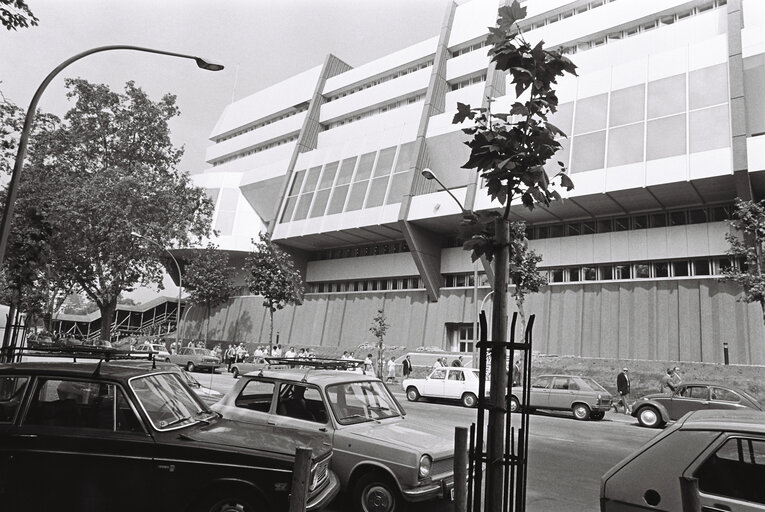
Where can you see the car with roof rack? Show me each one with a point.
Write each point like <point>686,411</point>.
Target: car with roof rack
<point>709,460</point>
<point>120,434</point>
<point>382,459</point>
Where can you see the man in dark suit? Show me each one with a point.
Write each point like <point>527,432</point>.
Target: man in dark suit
<point>406,366</point>
<point>623,386</point>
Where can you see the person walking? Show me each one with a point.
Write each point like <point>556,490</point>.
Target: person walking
<point>457,362</point>
<point>406,366</point>
<point>230,356</point>
<point>517,373</point>
<point>391,370</point>
<point>368,366</point>
<point>623,386</point>
<point>666,382</point>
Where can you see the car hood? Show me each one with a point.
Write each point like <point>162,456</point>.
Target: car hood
<point>654,396</point>
<point>265,438</point>
<point>400,432</point>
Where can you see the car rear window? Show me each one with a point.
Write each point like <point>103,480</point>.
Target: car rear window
<point>11,393</point>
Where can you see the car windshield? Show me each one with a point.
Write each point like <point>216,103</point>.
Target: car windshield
<point>167,402</point>
<point>358,402</point>
<point>588,384</point>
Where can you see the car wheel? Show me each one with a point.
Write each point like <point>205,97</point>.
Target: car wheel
<point>231,503</point>
<point>235,372</point>
<point>597,415</point>
<point>649,417</point>
<point>374,492</point>
<point>581,412</point>
<point>515,405</point>
<point>469,400</point>
<point>190,367</point>
<point>412,394</point>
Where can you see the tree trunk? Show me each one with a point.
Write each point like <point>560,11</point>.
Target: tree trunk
<point>271,328</point>
<point>207,328</point>
<point>107,318</point>
<point>48,321</point>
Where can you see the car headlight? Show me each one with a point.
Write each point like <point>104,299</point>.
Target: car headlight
<point>426,463</point>
<point>599,397</point>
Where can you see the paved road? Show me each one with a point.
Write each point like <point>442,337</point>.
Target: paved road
<point>567,457</point>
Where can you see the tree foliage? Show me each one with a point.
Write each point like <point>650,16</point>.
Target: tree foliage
<point>748,243</point>
<point>378,329</point>
<point>272,274</point>
<point>208,279</point>
<point>523,267</point>
<point>15,14</point>
<point>108,169</point>
<point>510,150</point>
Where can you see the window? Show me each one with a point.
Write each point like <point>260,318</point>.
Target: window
<point>736,470</point>
<point>658,220</point>
<point>697,392</point>
<point>622,224</point>
<point>81,404</point>
<point>623,272</point>
<point>661,269</point>
<point>556,275</point>
<point>604,226</point>
<point>677,218</point>
<point>560,383</point>
<point>456,375</point>
<point>438,374</point>
<point>301,403</point>
<point>642,270</point>
<point>701,267</point>
<point>639,222</point>
<point>725,395</point>
<point>606,273</point>
<point>256,395</point>
<point>573,274</point>
<point>542,383</point>
<point>589,273</point>
<point>679,268</point>
<point>11,393</point>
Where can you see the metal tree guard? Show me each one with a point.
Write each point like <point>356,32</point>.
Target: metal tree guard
<point>515,458</point>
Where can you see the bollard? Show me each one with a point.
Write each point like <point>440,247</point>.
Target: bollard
<point>460,468</point>
<point>689,494</point>
<point>725,353</point>
<point>301,475</point>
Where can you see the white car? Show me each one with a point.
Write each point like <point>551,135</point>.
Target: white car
<point>160,351</point>
<point>452,382</point>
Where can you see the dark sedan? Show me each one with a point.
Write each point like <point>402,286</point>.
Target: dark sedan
<point>657,409</point>
<point>120,436</point>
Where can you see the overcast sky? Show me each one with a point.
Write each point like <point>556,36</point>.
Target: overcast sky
<point>261,42</point>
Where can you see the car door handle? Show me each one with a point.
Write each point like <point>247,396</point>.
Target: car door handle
<point>26,436</point>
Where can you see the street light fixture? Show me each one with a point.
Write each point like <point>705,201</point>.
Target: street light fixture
<point>430,175</point>
<point>5,225</point>
<point>180,287</point>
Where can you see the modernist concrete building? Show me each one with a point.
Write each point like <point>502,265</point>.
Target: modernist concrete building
<point>666,125</point>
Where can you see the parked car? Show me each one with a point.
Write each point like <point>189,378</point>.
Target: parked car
<point>193,358</point>
<point>711,459</point>
<point>583,396</point>
<point>250,364</point>
<point>159,349</point>
<point>121,435</point>
<point>381,459</point>
<point>449,382</point>
<point>657,409</point>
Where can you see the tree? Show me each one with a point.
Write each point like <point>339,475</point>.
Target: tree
<point>208,279</point>
<point>108,169</point>
<point>747,243</point>
<point>379,328</point>
<point>15,14</point>
<point>523,268</point>
<point>271,273</point>
<point>509,151</point>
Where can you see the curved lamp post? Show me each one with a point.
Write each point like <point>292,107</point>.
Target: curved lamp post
<point>180,287</point>
<point>5,226</point>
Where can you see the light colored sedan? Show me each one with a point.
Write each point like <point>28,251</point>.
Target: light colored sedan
<point>251,364</point>
<point>193,358</point>
<point>456,383</point>
<point>583,396</point>
<point>382,459</point>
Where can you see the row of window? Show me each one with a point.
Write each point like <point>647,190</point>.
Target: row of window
<point>375,111</point>
<point>257,149</point>
<point>610,272</point>
<point>567,14</point>
<point>365,181</point>
<point>632,222</point>
<point>378,81</point>
<point>630,31</point>
<point>366,285</point>
<point>394,247</point>
<point>470,48</point>
<point>468,81</point>
<point>272,119</point>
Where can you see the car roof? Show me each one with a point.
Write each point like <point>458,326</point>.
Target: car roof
<point>121,369</point>
<point>562,375</point>
<point>743,420</point>
<point>311,375</point>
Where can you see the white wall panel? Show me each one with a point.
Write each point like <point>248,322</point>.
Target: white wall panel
<point>753,33</point>
<point>471,20</point>
<point>265,172</point>
<point>397,124</point>
<point>467,63</point>
<point>256,160</point>
<point>247,140</point>
<point>362,267</point>
<point>437,204</point>
<point>379,94</point>
<point>705,164</point>
<point>755,152</point>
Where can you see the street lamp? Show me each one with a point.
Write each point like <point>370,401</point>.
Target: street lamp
<point>5,225</point>
<point>180,287</point>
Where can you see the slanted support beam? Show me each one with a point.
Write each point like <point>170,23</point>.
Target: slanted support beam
<point>425,248</point>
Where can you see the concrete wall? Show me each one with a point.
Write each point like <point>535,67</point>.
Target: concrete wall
<point>683,320</point>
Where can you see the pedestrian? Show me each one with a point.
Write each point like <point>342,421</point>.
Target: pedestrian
<point>666,383</point>
<point>345,355</point>
<point>391,370</point>
<point>230,356</point>
<point>290,354</point>
<point>517,373</point>
<point>437,363</point>
<point>406,366</point>
<point>259,351</point>
<point>623,386</point>
<point>677,379</point>
<point>457,362</point>
<point>368,366</point>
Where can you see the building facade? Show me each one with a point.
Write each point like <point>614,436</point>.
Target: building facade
<point>666,127</point>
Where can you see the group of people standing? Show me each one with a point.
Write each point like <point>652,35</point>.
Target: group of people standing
<point>668,382</point>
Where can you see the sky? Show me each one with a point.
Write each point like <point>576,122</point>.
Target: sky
<point>260,42</point>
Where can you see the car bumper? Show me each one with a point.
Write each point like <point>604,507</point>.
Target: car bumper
<point>326,495</point>
<point>434,490</point>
